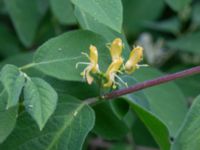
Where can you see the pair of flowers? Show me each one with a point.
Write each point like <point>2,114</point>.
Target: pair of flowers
<point>117,65</point>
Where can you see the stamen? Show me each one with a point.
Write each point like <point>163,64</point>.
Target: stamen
<point>142,65</point>
<point>85,54</point>
<point>120,79</point>
<point>82,63</point>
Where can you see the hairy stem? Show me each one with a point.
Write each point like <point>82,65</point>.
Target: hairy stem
<point>153,82</point>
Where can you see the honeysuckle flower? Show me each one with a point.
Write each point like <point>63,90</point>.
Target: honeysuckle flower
<point>135,57</point>
<point>116,49</point>
<point>92,65</point>
<point>112,71</point>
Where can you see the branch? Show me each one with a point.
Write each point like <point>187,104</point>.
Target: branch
<point>153,82</point>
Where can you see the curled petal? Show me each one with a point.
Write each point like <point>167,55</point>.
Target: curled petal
<point>116,49</point>
<point>94,58</point>
<point>135,57</point>
<point>112,70</point>
<point>86,74</point>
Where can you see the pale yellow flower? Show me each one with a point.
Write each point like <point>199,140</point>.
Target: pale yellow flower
<point>92,65</point>
<point>135,57</point>
<point>116,48</point>
<point>112,71</point>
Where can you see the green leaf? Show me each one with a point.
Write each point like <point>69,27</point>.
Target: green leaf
<point>188,42</point>
<point>102,11</point>
<point>18,60</point>
<point>40,100</point>
<point>162,108</point>
<point>119,107</point>
<point>135,14</point>
<point>58,57</point>
<point>90,23</point>
<point>8,120</point>
<point>195,13</point>
<point>188,85</point>
<point>66,129</point>
<point>8,116</point>
<point>141,104</point>
<point>25,16</point>
<point>141,135</point>
<point>165,101</point>
<point>13,81</point>
<point>189,134</point>
<point>9,43</point>
<point>107,124</point>
<point>81,90</point>
<point>178,5</point>
<point>158,130</point>
<point>172,25</point>
<point>63,11</point>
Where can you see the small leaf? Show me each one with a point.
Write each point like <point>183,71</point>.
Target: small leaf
<point>58,57</point>
<point>63,11</point>
<point>65,130</point>
<point>13,81</point>
<point>40,100</point>
<point>188,43</point>
<point>102,11</point>
<point>178,5</point>
<point>189,134</point>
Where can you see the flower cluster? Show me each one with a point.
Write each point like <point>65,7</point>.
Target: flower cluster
<point>117,65</point>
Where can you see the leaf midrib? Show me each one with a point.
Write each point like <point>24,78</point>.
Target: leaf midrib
<point>66,124</point>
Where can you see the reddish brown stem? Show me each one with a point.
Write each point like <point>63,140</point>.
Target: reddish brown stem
<point>153,82</point>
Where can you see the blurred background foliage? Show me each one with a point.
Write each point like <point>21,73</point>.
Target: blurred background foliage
<point>168,30</point>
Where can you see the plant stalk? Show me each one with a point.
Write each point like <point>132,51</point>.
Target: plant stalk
<point>150,83</point>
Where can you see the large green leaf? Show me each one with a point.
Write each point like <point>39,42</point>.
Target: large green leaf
<point>188,85</point>
<point>13,81</point>
<point>142,106</point>
<point>63,10</point>
<point>188,43</point>
<point>102,11</point>
<point>58,57</point>
<point>25,16</point>
<point>158,130</point>
<point>178,5</point>
<point>81,90</point>
<point>189,135</point>
<point>141,134</point>
<point>40,100</point>
<point>165,101</point>
<point>161,108</point>
<point>90,23</point>
<point>66,130</point>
